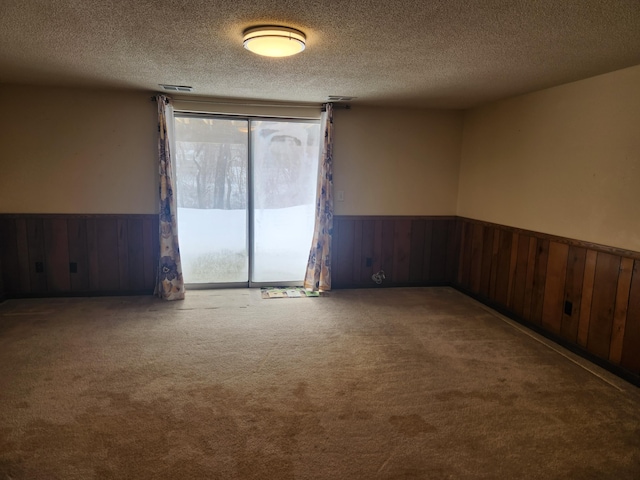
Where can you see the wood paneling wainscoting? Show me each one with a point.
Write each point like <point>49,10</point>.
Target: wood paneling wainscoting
<point>51,255</point>
<point>584,296</point>
<point>411,251</point>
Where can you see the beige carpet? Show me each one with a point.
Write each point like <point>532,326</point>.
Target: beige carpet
<point>361,384</point>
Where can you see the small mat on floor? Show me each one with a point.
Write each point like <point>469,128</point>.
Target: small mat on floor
<point>287,292</point>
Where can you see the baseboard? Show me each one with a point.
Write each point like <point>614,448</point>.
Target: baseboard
<point>98,293</point>
<point>390,285</point>
<point>615,369</point>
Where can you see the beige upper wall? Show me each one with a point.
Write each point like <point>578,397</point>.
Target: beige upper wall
<point>85,151</point>
<point>564,161</point>
<point>396,161</point>
<point>77,151</point>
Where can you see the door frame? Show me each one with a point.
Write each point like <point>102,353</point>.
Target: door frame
<point>250,196</point>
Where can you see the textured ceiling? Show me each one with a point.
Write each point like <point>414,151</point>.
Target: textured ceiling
<point>430,53</point>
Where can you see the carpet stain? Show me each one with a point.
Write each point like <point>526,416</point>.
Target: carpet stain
<point>411,425</point>
<point>10,470</point>
<point>301,391</point>
<point>10,461</point>
<point>305,419</point>
<point>131,438</point>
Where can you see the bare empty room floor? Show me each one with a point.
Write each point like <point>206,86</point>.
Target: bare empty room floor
<point>359,384</point>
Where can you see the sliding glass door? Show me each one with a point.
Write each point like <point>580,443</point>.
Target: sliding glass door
<point>285,173</point>
<point>246,198</point>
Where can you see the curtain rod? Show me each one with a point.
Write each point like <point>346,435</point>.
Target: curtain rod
<point>286,105</point>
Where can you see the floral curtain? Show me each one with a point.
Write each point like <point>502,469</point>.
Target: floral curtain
<point>169,284</point>
<point>318,276</point>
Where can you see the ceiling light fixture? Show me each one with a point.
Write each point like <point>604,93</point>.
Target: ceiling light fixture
<point>273,41</point>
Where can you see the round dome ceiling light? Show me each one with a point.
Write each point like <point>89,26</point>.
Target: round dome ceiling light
<point>274,41</point>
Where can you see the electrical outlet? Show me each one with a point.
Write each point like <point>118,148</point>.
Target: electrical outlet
<point>340,195</point>
<point>568,307</point>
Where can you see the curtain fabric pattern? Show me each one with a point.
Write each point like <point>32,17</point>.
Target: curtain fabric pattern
<point>318,275</point>
<point>169,284</point>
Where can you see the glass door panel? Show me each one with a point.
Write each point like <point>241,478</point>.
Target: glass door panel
<point>285,172</point>
<point>212,178</point>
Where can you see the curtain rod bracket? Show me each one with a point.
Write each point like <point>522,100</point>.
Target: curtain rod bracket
<point>154,98</point>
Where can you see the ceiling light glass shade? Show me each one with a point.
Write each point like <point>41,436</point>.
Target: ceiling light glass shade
<point>274,41</point>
